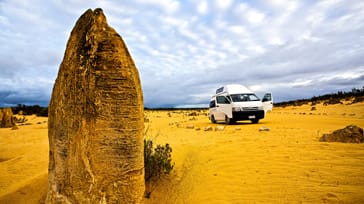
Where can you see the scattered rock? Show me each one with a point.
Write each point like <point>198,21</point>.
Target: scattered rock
<point>238,128</point>
<point>208,128</point>
<point>6,118</point>
<point>192,114</point>
<point>264,128</point>
<point>96,119</point>
<point>190,126</point>
<point>198,128</point>
<point>220,128</point>
<point>349,134</point>
<point>21,119</point>
<point>15,127</point>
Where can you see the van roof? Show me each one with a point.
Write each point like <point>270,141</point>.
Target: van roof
<point>233,89</point>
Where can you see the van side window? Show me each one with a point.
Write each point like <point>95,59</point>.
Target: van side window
<point>222,100</point>
<point>212,104</point>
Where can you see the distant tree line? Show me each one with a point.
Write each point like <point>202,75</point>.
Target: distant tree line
<point>356,95</point>
<point>30,110</point>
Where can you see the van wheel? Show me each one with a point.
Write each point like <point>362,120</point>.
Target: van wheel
<point>212,118</point>
<point>228,120</point>
<point>255,121</point>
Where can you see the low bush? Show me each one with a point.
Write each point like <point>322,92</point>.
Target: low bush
<point>157,161</point>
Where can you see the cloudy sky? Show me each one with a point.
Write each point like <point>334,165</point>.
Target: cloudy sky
<point>184,50</point>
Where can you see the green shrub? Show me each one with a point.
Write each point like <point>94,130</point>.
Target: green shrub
<point>157,161</point>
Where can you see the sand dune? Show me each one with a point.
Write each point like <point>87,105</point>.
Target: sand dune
<point>240,164</point>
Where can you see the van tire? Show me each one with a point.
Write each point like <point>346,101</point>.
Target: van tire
<point>255,121</point>
<point>212,118</point>
<point>228,120</point>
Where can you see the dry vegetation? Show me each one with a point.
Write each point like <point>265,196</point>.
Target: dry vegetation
<point>216,163</point>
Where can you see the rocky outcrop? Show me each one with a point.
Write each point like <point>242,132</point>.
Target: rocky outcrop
<point>96,119</point>
<point>6,118</point>
<point>349,134</point>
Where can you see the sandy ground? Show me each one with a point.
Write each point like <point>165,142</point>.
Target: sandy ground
<point>237,165</point>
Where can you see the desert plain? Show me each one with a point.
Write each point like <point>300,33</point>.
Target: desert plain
<point>228,164</point>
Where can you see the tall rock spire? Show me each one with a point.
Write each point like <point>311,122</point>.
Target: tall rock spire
<point>96,119</point>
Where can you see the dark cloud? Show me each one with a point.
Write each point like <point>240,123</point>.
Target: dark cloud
<point>30,97</point>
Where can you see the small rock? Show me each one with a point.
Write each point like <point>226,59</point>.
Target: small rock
<point>190,126</point>
<point>237,128</point>
<point>192,114</point>
<point>349,134</point>
<point>208,128</point>
<point>14,127</point>
<point>264,128</point>
<point>198,128</point>
<point>219,128</point>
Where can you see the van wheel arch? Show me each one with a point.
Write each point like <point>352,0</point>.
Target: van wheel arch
<point>212,118</point>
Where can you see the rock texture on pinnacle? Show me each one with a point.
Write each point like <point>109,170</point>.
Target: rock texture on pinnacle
<point>6,118</point>
<point>96,119</point>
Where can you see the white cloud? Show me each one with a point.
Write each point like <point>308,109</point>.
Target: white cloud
<point>254,16</point>
<point>276,40</point>
<point>202,7</point>
<point>249,14</point>
<point>169,6</point>
<point>300,83</point>
<point>223,5</point>
<point>4,21</point>
<point>237,29</point>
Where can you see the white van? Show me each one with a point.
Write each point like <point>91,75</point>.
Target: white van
<point>236,102</point>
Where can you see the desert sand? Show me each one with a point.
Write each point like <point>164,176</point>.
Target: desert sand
<point>239,164</point>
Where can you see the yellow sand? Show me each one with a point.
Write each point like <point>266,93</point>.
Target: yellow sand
<point>237,165</point>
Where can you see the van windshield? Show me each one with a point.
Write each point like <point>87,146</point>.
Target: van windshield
<point>244,97</point>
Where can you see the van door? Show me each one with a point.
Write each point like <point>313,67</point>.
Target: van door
<point>224,108</point>
<point>267,102</point>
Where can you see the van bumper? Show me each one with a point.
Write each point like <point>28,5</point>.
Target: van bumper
<point>248,115</point>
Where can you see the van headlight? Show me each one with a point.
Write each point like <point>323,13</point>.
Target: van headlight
<point>236,109</point>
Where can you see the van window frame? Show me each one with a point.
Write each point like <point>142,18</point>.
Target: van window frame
<point>220,101</point>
